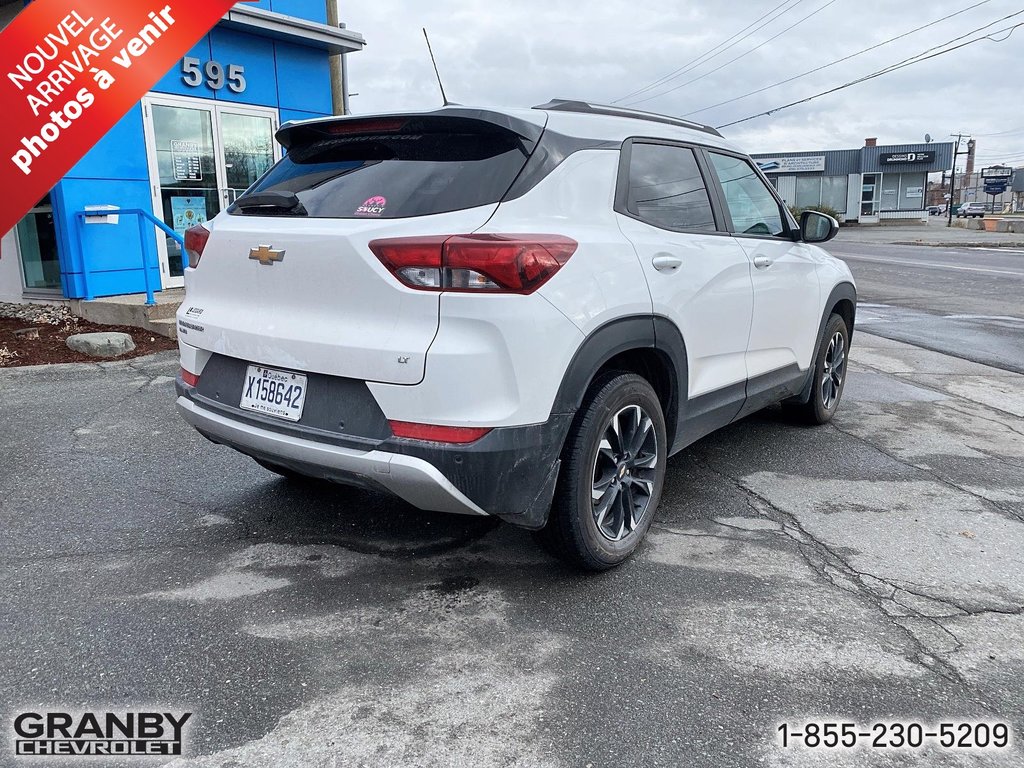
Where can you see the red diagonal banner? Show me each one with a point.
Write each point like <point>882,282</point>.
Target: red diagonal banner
<point>70,69</point>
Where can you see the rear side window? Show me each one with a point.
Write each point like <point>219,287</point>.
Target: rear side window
<point>752,206</point>
<point>397,175</point>
<point>666,188</point>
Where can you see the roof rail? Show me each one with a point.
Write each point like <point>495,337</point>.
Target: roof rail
<point>571,105</point>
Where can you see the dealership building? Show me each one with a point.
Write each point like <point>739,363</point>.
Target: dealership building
<point>872,185</point>
<point>198,139</point>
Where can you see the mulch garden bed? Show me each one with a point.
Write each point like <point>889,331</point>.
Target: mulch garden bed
<point>50,347</point>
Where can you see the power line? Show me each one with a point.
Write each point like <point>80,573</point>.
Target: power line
<point>717,49</point>
<point>1019,129</point>
<point>900,65</point>
<point>731,61</point>
<point>839,61</point>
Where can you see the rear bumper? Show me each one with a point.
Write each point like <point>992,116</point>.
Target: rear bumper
<point>408,477</point>
<point>509,473</point>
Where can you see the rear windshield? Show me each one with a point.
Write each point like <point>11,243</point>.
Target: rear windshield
<point>395,175</point>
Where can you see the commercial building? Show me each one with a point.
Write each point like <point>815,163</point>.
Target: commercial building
<point>199,138</point>
<point>870,185</point>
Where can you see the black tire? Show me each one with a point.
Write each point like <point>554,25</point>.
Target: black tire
<point>573,532</point>
<point>824,400</point>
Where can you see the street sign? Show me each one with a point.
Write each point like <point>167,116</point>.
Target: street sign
<point>996,172</point>
<point>995,188</point>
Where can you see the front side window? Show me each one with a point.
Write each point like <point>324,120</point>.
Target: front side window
<point>753,208</point>
<point>666,189</point>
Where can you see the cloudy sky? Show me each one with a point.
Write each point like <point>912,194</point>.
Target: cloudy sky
<point>524,53</point>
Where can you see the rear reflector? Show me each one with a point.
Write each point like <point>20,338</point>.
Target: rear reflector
<point>437,434</point>
<point>195,243</point>
<point>189,378</point>
<point>486,263</point>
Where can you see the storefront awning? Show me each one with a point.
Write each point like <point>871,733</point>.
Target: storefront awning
<point>257,21</point>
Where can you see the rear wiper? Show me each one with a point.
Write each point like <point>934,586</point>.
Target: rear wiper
<point>279,201</point>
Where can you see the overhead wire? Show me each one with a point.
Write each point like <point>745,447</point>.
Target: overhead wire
<point>715,50</point>
<point>737,58</point>
<point>840,61</point>
<point>930,53</point>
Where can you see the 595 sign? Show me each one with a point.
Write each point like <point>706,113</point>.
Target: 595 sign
<point>215,74</point>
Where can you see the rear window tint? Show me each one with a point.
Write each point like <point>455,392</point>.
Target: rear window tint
<point>397,175</point>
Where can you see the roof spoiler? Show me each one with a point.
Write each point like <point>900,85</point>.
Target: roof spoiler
<point>583,107</point>
<point>443,120</point>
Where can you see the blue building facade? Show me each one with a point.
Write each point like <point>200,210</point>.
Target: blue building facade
<point>199,138</point>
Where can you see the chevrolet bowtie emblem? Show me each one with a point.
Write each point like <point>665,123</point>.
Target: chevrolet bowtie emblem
<point>266,255</point>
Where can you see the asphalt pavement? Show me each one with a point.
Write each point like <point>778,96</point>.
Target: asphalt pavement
<point>964,301</point>
<point>865,571</point>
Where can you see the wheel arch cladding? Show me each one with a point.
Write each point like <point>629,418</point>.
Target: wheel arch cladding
<point>841,301</point>
<point>845,307</point>
<point>646,345</point>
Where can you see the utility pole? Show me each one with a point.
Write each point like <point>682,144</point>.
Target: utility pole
<point>339,86</point>
<point>952,177</point>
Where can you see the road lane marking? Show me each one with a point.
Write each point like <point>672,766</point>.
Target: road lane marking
<point>931,265</point>
<point>1005,318</point>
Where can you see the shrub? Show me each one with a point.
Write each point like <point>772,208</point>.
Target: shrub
<point>826,209</point>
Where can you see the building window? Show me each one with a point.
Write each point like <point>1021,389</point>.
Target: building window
<point>912,191</point>
<point>903,191</point>
<point>808,191</point>
<point>834,192</point>
<point>821,190</point>
<point>37,243</point>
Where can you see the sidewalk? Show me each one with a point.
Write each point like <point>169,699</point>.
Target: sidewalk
<point>935,233</point>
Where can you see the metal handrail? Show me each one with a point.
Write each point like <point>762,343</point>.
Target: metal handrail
<point>143,215</point>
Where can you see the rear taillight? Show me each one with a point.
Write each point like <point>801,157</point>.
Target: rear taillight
<point>488,263</point>
<point>195,243</point>
<point>437,434</point>
<point>190,378</point>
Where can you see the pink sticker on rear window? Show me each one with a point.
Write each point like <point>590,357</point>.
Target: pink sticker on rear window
<point>373,207</point>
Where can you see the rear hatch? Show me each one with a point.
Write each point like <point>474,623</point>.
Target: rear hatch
<point>287,278</point>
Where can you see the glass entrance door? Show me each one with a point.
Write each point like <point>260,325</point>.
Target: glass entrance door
<point>202,156</point>
<point>186,176</point>
<point>869,196</point>
<point>37,244</point>
<point>248,142</point>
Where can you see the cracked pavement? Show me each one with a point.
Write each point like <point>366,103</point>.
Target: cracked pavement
<point>869,570</point>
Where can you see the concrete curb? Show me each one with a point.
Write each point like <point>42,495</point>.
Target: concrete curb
<point>953,244</point>
<point>99,365</point>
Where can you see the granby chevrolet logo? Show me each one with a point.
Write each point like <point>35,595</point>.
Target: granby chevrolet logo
<point>265,255</point>
<point>48,734</point>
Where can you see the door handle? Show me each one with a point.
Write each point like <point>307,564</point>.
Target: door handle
<point>666,263</point>
<point>763,262</point>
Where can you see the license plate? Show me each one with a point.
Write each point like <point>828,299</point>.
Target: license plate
<point>276,393</point>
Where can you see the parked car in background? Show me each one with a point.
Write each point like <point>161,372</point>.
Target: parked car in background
<point>520,313</point>
<point>971,210</point>
<point>936,210</point>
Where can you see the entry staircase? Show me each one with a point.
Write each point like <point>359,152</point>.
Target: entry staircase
<point>132,310</point>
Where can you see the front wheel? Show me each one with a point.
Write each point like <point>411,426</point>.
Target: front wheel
<point>613,470</point>
<point>829,375</point>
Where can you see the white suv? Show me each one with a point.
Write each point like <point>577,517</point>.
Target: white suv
<point>970,211</point>
<point>519,313</point>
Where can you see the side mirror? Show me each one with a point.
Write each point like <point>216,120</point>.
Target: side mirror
<point>817,227</point>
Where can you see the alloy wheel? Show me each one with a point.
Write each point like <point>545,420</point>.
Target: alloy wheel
<point>834,370</point>
<point>625,469</point>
